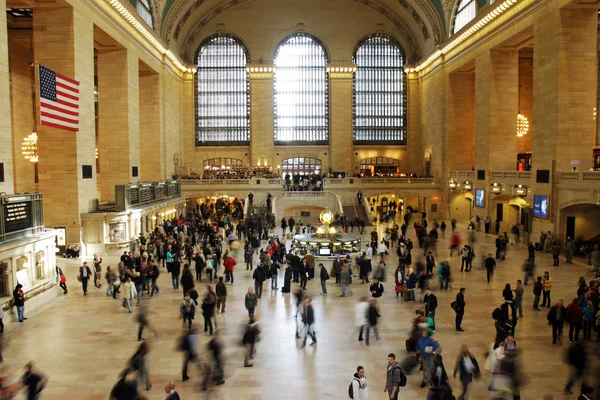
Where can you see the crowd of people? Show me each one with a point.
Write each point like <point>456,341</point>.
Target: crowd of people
<point>200,244</point>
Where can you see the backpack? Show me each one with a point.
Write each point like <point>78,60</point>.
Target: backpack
<point>402,377</point>
<point>351,389</point>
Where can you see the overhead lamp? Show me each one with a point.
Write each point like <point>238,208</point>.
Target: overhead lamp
<point>521,190</point>
<point>496,188</point>
<point>452,184</point>
<point>467,185</point>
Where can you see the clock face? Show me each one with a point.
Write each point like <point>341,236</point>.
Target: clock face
<point>326,217</point>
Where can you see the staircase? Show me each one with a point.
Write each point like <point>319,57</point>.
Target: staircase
<point>352,212</point>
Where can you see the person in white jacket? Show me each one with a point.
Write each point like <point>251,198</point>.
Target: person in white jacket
<point>129,293</point>
<point>361,309</point>
<point>360,388</point>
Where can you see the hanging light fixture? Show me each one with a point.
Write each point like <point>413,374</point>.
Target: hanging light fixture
<point>29,147</point>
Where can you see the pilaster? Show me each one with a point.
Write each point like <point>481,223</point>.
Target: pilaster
<point>340,116</point>
<point>261,114</point>
<point>150,143</point>
<point>6,156</point>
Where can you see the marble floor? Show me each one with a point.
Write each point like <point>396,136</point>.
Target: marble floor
<point>82,343</point>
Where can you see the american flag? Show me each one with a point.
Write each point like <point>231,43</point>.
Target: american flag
<point>59,100</point>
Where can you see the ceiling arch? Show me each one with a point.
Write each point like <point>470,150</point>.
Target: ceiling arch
<point>421,22</point>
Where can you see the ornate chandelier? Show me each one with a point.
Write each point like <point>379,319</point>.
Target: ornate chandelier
<point>30,149</point>
<point>522,125</point>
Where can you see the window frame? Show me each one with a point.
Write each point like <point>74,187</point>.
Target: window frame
<point>459,9</point>
<point>320,142</point>
<point>147,7</point>
<point>197,129</point>
<point>404,95</point>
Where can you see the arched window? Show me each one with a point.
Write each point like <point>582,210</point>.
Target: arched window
<point>145,11</point>
<point>379,91</point>
<point>465,13</point>
<point>301,166</point>
<point>222,93</point>
<point>301,92</point>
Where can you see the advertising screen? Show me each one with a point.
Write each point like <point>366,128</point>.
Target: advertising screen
<point>540,206</point>
<point>479,198</point>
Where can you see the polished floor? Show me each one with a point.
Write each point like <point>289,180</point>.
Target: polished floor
<point>82,343</point>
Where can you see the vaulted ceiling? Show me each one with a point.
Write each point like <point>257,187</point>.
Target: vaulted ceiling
<point>424,23</point>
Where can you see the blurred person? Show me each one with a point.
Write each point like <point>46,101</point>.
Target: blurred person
<point>308,318</point>
<point>187,309</point>
<point>426,348</point>
<point>142,319</point>
<point>33,381</point>
<point>490,265</point>
<point>345,279</point>
<point>139,363</point>
<point>360,313</point>
<point>189,346</point>
<point>373,315</point>
<point>577,360</point>
<point>187,279</point>
<point>215,350</point>
<point>587,393</point>
<point>111,278</point>
<point>170,391</point>
<point>589,319</point>
<point>439,388</point>
<point>124,389</point>
<point>154,273</point>
<point>468,368</point>
<point>518,302</point>
<point>251,336</point>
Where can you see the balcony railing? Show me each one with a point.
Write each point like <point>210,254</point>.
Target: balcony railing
<point>511,174</point>
<point>463,174</point>
<point>589,177</point>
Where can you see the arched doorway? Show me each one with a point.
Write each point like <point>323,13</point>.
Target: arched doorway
<point>379,166</point>
<point>461,206</point>
<point>579,222</point>
<point>222,166</point>
<point>301,166</point>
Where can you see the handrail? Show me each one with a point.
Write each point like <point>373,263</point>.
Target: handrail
<point>583,176</point>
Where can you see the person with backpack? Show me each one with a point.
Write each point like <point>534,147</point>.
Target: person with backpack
<point>324,278</point>
<point>359,388</point>
<point>187,310</point>
<point>394,378</point>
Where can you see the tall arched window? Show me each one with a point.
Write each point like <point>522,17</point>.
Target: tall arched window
<point>222,93</point>
<point>301,92</point>
<point>379,91</point>
<point>466,10</point>
<point>144,10</point>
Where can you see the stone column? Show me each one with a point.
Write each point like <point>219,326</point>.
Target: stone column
<point>150,143</point>
<point>461,121</point>
<point>565,81</point>
<point>6,155</point>
<point>496,99</point>
<point>118,119</point>
<point>261,114</point>
<point>64,42</point>
<point>340,117</point>
<point>415,138</point>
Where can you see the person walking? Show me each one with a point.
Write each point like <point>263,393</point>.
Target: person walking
<point>187,279</point>
<point>208,309</point>
<point>460,309</point>
<point>187,309</point>
<point>229,264</point>
<point>393,378</point>
<point>490,264</point>
<point>259,276</point>
<point>324,278</point>
<point>547,284</point>
<point>139,364</point>
<point>360,313</point>
<point>430,301</point>
<point>360,387</point>
<point>189,346</point>
<point>273,272</point>
<point>518,301</point>
<point>569,250</point>
<point>143,321</point>
<point>467,367</point>
<point>372,317</point>
<point>129,293</point>
<point>577,359</point>
<point>33,381</point>
<point>85,274</point>
<point>345,279</point>
<point>62,279</point>
<point>538,288</point>
<point>250,301</point>
<point>575,320</point>
<point>154,273</point>
<point>589,319</point>
<point>555,253</point>
<point>221,292</point>
<point>308,318</point>
<point>249,340</point>
<point>426,350</point>
<point>97,271</point>
<point>556,317</point>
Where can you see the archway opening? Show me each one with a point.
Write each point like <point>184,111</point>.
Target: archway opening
<point>222,167</point>
<point>301,166</point>
<point>379,166</point>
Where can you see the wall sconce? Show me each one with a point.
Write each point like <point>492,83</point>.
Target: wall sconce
<point>496,188</point>
<point>468,185</point>
<point>452,184</point>
<point>520,190</point>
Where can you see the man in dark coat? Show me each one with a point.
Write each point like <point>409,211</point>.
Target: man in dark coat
<point>556,317</point>
<point>460,308</point>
